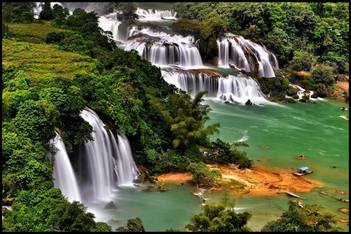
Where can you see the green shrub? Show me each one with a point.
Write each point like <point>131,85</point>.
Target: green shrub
<point>224,153</point>
<point>54,37</point>
<point>133,225</point>
<point>324,74</point>
<point>187,27</point>
<point>302,61</point>
<point>306,219</point>
<point>203,175</point>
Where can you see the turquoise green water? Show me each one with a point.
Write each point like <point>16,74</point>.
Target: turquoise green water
<point>158,211</point>
<point>276,134</point>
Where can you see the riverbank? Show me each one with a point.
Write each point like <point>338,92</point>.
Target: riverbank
<point>258,181</point>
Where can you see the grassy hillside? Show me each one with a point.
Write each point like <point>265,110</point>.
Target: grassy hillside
<point>42,59</point>
<point>35,32</point>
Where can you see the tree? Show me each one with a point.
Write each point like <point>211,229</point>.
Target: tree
<point>46,13</point>
<point>221,152</point>
<point>18,12</point>
<point>219,218</point>
<point>203,175</point>
<point>133,225</point>
<point>186,118</point>
<point>302,219</point>
<point>127,11</point>
<point>59,13</point>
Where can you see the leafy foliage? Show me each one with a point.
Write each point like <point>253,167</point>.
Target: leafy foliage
<point>203,175</point>
<point>19,12</point>
<point>221,152</point>
<point>306,219</point>
<point>219,218</point>
<point>301,35</point>
<point>133,225</point>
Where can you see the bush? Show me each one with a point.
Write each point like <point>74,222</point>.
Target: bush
<point>320,90</point>
<point>203,175</point>
<point>54,37</point>
<point>302,61</point>
<point>306,219</point>
<point>218,218</point>
<point>221,152</point>
<point>187,27</point>
<point>324,74</point>
<point>133,225</point>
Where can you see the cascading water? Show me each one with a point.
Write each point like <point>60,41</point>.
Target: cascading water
<point>233,89</point>
<point>63,174</point>
<point>110,23</point>
<point>192,83</point>
<point>167,50</point>
<point>126,169</point>
<point>99,157</point>
<point>155,14</point>
<point>108,163</point>
<point>162,49</point>
<point>243,54</point>
<point>239,90</point>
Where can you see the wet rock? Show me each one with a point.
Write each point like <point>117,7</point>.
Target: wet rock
<point>290,100</point>
<point>110,205</point>
<point>249,103</point>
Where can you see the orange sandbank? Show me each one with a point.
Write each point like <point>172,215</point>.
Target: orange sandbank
<point>257,181</point>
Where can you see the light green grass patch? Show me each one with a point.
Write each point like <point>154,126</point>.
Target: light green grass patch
<point>39,60</point>
<point>34,32</point>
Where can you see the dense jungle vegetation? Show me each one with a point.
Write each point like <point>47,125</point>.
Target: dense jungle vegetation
<point>56,66</point>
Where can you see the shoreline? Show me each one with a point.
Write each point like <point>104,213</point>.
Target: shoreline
<point>257,181</point>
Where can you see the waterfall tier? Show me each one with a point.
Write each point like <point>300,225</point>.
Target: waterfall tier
<point>245,55</point>
<point>155,14</point>
<point>162,49</point>
<point>233,89</point>
<point>63,174</point>
<point>107,163</point>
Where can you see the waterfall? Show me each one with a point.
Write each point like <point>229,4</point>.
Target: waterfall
<point>239,90</point>
<point>244,54</point>
<point>108,163</point>
<point>155,14</point>
<point>99,156</point>
<point>191,82</point>
<point>126,169</point>
<point>233,89</point>
<point>110,23</point>
<point>63,174</point>
<point>161,48</point>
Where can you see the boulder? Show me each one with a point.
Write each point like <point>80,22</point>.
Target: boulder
<point>249,103</point>
<point>110,205</point>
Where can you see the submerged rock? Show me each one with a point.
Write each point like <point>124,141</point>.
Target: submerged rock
<point>110,205</point>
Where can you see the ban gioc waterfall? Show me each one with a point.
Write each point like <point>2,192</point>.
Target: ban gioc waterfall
<point>101,107</point>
